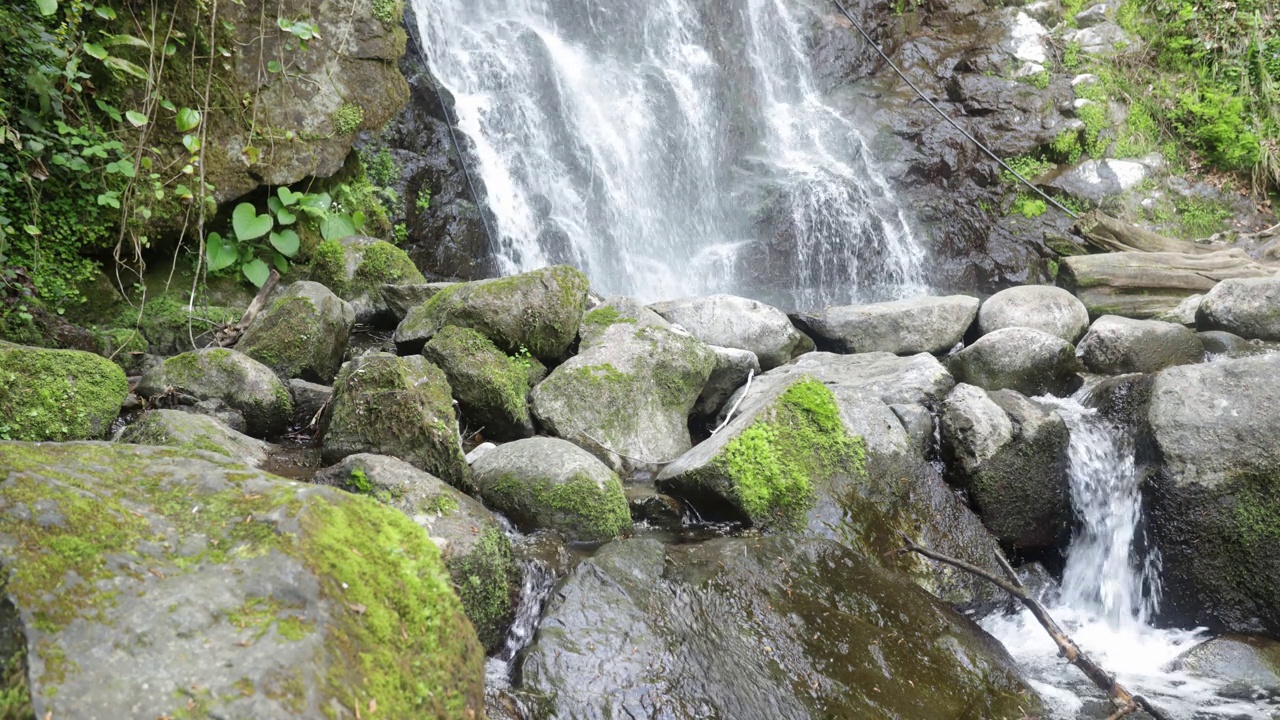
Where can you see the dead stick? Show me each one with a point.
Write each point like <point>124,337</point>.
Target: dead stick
<point>230,335</point>
<point>1066,646</point>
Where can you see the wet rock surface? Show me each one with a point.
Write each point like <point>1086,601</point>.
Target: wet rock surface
<point>903,327</point>
<point>1028,361</point>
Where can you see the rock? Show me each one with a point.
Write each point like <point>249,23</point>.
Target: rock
<point>1248,307</point>
<point>216,409</point>
<point>656,509</point>
<point>1095,181</point>
<point>308,400</point>
<point>538,312</point>
<point>1146,284</point>
<point>1122,399</point>
<point>188,431</point>
<point>1010,455</point>
<point>182,577</point>
<point>244,384</point>
<point>904,327</point>
<point>1105,39</point>
<point>732,368</point>
<point>388,405</point>
<point>1185,312</point>
<point>1248,667</point>
<point>58,395</point>
<point>1095,15</point>
<point>736,322</point>
<point>356,268</point>
<point>1219,342</point>
<point>476,552</point>
<point>492,389</point>
<point>478,451</point>
<point>1029,361</point>
<point>398,300</point>
<point>302,333</point>
<point>1212,492</point>
<point>549,483</point>
<point>628,393</point>
<point>613,311</point>
<point>1115,345</point>
<point>1039,307</point>
<point>630,624</point>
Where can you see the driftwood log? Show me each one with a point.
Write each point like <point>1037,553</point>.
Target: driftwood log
<point>230,335</point>
<point>1108,234</point>
<point>1125,701</point>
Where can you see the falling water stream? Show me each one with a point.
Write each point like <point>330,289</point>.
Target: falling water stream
<point>1110,591</point>
<point>669,147</point>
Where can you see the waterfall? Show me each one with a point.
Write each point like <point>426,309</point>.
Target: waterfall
<point>669,148</point>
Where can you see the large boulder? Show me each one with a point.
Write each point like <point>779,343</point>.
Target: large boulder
<point>189,431</point>
<point>1010,456</point>
<point>356,268</point>
<point>244,384</point>
<point>492,389</point>
<point>1039,307</point>
<point>159,580</point>
<point>1029,361</point>
<point>1248,307</point>
<point>733,367</point>
<point>628,393</point>
<point>302,333</point>
<point>1246,667</point>
<point>737,322</point>
<point>904,327</point>
<point>774,628</point>
<point>1212,491</point>
<point>1115,345</point>
<point>398,300</point>
<point>58,394</point>
<point>397,406</point>
<point>550,483</point>
<point>472,544</point>
<point>537,312</point>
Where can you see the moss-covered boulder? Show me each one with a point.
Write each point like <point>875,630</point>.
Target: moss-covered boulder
<point>491,388</point>
<point>302,333</point>
<point>1211,492</point>
<point>549,483</point>
<point>58,394</point>
<point>244,384</point>
<point>474,548</point>
<point>189,431</point>
<point>754,628</point>
<point>537,312</point>
<point>169,327</point>
<point>179,582</point>
<point>397,406</point>
<point>357,267</point>
<point>628,393</point>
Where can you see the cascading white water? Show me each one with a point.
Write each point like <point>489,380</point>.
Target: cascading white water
<point>1110,591</point>
<point>669,147</point>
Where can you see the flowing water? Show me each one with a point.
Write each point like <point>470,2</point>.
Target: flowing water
<point>1110,591</point>
<point>669,147</point>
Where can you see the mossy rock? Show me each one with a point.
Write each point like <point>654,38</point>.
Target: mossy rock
<point>537,312</point>
<point>256,596</point>
<point>359,266</point>
<point>168,326</point>
<point>397,406</point>
<point>302,333</point>
<point>58,394</point>
<point>189,431</point>
<point>491,388</point>
<point>475,550</point>
<point>244,384</point>
<point>549,483</point>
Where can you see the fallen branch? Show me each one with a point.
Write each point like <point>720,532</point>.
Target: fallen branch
<point>230,335</point>
<point>732,410</point>
<point>1125,701</point>
<point>1111,235</point>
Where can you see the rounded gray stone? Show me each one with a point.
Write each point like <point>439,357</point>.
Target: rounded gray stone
<point>1039,307</point>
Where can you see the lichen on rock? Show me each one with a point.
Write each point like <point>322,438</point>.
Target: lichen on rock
<point>303,333</point>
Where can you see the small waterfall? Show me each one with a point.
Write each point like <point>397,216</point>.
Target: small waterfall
<point>669,147</point>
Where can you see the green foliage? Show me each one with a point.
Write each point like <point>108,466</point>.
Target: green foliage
<point>388,12</point>
<point>1071,58</point>
<point>1027,166</point>
<point>1028,206</point>
<point>1039,80</point>
<point>347,119</point>
<point>423,202</point>
<point>360,482</point>
<point>1066,146</point>
<point>1201,217</point>
<point>1214,122</point>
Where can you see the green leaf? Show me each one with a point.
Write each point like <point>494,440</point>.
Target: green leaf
<point>129,40</point>
<point>47,7</point>
<point>281,264</point>
<point>286,241</point>
<point>257,272</point>
<point>96,51</point>
<point>288,197</point>
<point>183,192</point>
<point>135,118</point>
<point>357,218</point>
<point>219,253</point>
<point>187,120</point>
<point>274,66</point>
<point>109,199</point>
<point>336,227</point>
<point>248,224</point>
<point>126,67</point>
<point>32,230</point>
<point>167,105</point>
<point>105,12</point>
<point>283,216</point>
<point>191,143</point>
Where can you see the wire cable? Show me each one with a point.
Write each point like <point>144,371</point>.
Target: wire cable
<point>462,162</point>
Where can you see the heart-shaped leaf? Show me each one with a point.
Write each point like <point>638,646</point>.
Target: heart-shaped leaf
<point>323,201</point>
<point>248,224</point>
<point>135,118</point>
<point>187,119</point>
<point>274,66</point>
<point>288,197</point>
<point>257,272</point>
<point>191,143</point>
<point>218,252</point>
<point>357,218</point>
<point>283,216</point>
<point>105,12</point>
<point>336,227</point>
<point>281,264</point>
<point>286,241</point>
<point>124,66</point>
<point>47,7</point>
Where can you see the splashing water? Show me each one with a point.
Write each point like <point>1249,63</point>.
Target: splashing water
<point>1110,591</point>
<point>669,147</point>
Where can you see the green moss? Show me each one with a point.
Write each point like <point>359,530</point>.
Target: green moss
<point>579,507</point>
<point>485,381</point>
<point>285,342</point>
<point>151,429</point>
<point>388,12</point>
<point>1257,513</point>
<point>359,482</point>
<point>1066,146</point>
<point>442,505</point>
<point>347,119</point>
<point>1039,80</point>
<point>605,316</point>
<point>57,394</point>
<point>1028,207</point>
<point>1201,217</point>
<point>487,582</point>
<point>259,614</point>
<point>386,264</point>
<point>1094,117</point>
<point>328,266</point>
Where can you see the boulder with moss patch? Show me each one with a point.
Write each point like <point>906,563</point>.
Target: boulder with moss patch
<point>491,388</point>
<point>538,311</point>
<point>474,548</point>
<point>356,268</point>
<point>189,431</point>
<point>738,322</point>
<point>628,393</point>
<point>1030,361</point>
<point>302,333</point>
<point>549,483</point>
<point>169,327</point>
<point>57,394</point>
<point>244,384</point>
<point>182,582</point>
<point>397,406</point>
